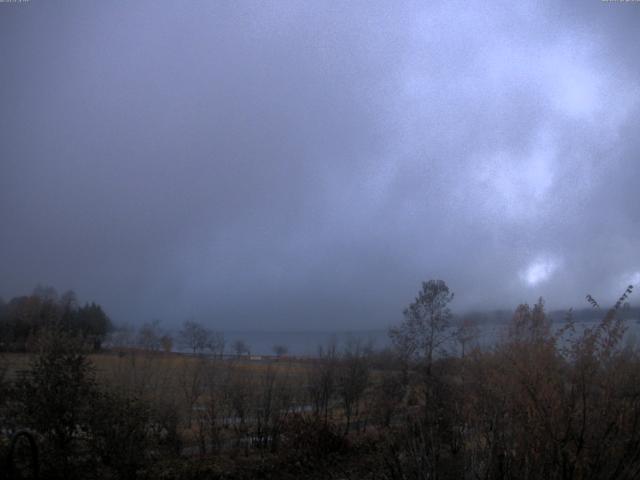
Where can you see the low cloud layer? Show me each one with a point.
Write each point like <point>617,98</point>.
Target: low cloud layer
<point>305,165</point>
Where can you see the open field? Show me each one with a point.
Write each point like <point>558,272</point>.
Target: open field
<point>109,363</point>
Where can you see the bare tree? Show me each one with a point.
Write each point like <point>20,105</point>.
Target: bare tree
<point>387,397</point>
<point>216,344</point>
<point>237,398</point>
<point>191,380</point>
<point>424,330</point>
<point>530,324</point>
<point>321,383</point>
<point>273,402</point>
<point>122,337</point>
<point>466,332</point>
<point>166,342</point>
<point>240,347</point>
<point>194,336</point>
<point>212,413</point>
<point>280,350</point>
<point>149,336</point>
<point>353,378</point>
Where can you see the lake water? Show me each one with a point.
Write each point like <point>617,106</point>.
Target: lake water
<point>307,343</point>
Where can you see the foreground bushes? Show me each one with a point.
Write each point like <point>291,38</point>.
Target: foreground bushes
<point>540,405</point>
<point>83,431</point>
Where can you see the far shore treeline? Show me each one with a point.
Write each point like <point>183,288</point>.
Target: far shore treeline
<point>23,317</point>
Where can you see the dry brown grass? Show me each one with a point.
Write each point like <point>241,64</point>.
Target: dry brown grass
<point>113,367</point>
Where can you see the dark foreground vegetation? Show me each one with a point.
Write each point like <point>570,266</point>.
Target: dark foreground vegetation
<point>542,403</point>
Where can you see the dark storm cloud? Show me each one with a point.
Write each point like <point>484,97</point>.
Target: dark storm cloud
<point>291,165</point>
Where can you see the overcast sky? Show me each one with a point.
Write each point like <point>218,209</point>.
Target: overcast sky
<point>305,165</point>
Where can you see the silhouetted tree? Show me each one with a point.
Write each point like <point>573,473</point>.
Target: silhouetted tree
<point>166,342</point>
<point>280,350</point>
<point>56,397</point>
<point>195,337</point>
<point>94,323</point>
<point>149,335</point>
<point>466,332</point>
<point>321,381</point>
<point>240,347</point>
<point>353,378</point>
<point>424,329</point>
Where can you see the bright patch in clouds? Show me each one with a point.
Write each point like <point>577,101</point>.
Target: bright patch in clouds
<point>538,271</point>
<point>575,86</point>
<point>633,279</point>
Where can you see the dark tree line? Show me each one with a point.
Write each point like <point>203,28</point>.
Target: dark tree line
<point>23,317</point>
